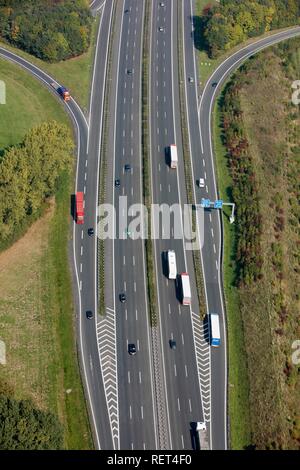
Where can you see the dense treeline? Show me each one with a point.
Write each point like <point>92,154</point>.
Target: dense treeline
<point>29,174</point>
<point>52,30</point>
<point>244,191</point>
<point>23,427</point>
<point>233,21</point>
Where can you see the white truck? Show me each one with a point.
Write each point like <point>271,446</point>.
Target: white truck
<point>172,267</point>
<point>186,295</point>
<point>201,436</point>
<point>173,156</point>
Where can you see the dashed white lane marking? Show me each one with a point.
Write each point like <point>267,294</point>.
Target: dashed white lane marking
<point>128,374</point>
<point>212,232</point>
<point>133,260</point>
<point>169,309</point>
<point>84,190</point>
<point>124,260</point>
<point>86,163</point>
<point>85,176</point>
<point>178,404</point>
<point>81,234</point>
<point>136,314</point>
<point>182,441</point>
<point>142,412</point>
<point>175,370</point>
<point>81,267</point>
<point>81,250</point>
<point>210,219</point>
<point>140,377</point>
<point>130,414</point>
<point>214,248</point>
<point>186,371</point>
<point>134,286</point>
<point>182,338</point>
<point>203,162</point>
<point>217,267</point>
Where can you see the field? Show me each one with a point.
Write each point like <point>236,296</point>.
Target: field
<point>73,73</point>
<point>27,104</point>
<point>37,317</point>
<point>263,317</point>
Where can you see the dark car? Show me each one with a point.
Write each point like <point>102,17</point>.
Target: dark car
<point>131,349</point>
<point>126,11</point>
<point>172,343</point>
<point>91,231</point>
<point>129,71</point>
<point>117,183</point>
<point>214,84</point>
<point>89,314</point>
<point>122,297</point>
<point>127,167</point>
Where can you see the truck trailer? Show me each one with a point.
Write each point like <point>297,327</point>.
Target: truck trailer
<point>172,268</point>
<point>199,434</point>
<point>79,217</point>
<point>173,156</point>
<point>186,295</point>
<point>215,337</point>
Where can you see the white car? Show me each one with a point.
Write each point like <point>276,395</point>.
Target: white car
<point>201,183</point>
<point>191,79</point>
<point>162,4</point>
<point>160,29</point>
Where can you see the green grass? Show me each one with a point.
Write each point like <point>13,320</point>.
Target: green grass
<point>27,104</point>
<point>37,316</point>
<point>74,73</point>
<point>238,378</point>
<point>58,302</point>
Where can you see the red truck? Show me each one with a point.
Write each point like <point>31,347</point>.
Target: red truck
<point>79,208</point>
<point>62,91</point>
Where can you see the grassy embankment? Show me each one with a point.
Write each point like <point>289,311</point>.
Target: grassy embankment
<point>263,316</point>
<point>74,73</point>
<point>36,306</point>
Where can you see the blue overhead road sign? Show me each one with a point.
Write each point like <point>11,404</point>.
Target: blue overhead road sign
<point>218,204</point>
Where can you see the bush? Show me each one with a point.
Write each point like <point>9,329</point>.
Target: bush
<point>23,427</point>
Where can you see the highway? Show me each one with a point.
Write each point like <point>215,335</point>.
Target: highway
<point>168,186</point>
<point>135,392</point>
<point>135,415</point>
